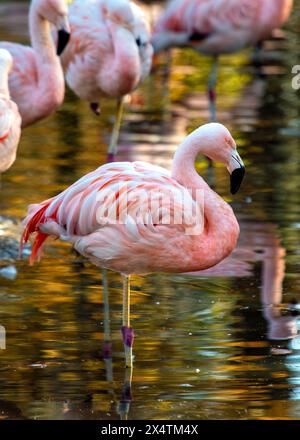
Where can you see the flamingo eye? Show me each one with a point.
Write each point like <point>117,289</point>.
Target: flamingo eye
<point>229,143</point>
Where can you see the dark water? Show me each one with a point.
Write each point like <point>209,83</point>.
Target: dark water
<point>206,346</point>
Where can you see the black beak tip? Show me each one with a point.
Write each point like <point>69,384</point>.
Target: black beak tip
<point>236,179</point>
<point>63,39</point>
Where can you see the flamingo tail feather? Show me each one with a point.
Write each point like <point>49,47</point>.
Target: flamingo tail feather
<point>31,226</point>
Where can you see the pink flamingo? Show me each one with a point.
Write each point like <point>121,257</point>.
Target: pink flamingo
<point>10,119</point>
<point>108,218</point>
<point>109,54</point>
<point>215,27</point>
<point>36,82</point>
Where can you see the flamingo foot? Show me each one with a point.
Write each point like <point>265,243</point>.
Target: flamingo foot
<point>212,104</point>
<point>107,352</point>
<point>212,95</point>
<point>110,157</point>
<point>128,338</point>
<point>94,106</point>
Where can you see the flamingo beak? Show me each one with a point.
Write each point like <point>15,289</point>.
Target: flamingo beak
<point>236,179</point>
<point>63,35</point>
<point>63,39</point>
<point>237,172</point>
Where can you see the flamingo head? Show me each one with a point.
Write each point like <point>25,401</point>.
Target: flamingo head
<point>56,12</point>
<point>142,34</point>
<point>127,15</point>
<point>221,147</point>
<point>119,12</point>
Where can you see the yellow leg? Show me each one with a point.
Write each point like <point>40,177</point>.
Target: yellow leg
<point>107,335</point>
<point>113,146</point>
<point>127,331</point>
<point>212,82</point>
<point>107,348</point>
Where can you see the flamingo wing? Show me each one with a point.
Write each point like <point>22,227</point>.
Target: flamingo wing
<point>111,209</point>
<point>205,17</point>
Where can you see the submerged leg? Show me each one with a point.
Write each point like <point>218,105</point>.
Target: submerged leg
<point>212,81</point>
<point>113,146</point>
<point>166,98</point>
<point>107,352</point>
<point>127,331</point>
<point>126,397</point>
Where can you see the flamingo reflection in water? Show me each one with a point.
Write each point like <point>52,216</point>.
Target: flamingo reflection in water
<point>259,242</point>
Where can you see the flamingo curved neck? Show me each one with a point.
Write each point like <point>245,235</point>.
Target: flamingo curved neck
<point>50,88</point>
<point>40,36</point>
<point>282,9</point>
<point>183,167</point>
<point>125,69</point>
<point>274,14</point>
<point>221,229</point>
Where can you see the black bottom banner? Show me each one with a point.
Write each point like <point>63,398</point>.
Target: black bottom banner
<point>93,429</point>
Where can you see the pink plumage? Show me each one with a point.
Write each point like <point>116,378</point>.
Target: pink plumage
<point>142,242</point>
<point>110,52</point>
<point>219,26</point>
<point>36,82</point>
<point>10,120</point>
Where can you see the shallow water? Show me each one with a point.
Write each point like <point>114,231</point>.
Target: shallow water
<point>206,345</point>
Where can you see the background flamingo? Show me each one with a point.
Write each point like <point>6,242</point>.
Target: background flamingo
<point>109,54</point>
<point>10,120</point>
<point>215,27</point>
<point>146,237</point>
<point>36,82</point>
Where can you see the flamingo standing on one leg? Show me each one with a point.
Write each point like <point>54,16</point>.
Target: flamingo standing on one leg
<point>216,27</point>
<point>109,54</point>
<point>138,218</point>
<point>10,119</point>
<point>36,82</point>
